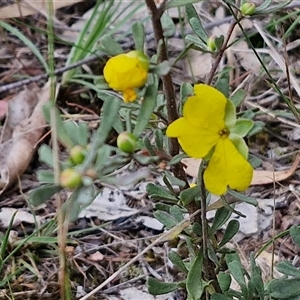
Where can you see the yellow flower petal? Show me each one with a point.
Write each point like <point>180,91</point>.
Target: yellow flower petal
<point>125,72</point>
<point>129,95</point>
<point>206,108</point>
<point>195,141</point>
<point>226,168</point>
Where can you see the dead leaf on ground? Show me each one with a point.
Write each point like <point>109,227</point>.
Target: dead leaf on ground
<point>30,7</point>
<point>260,177</point>
<point>23,128</point>
<point>7,213</point>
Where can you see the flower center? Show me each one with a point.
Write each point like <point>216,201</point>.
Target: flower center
<point>224,133</point>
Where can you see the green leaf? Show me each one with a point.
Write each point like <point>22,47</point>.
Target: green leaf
<point>256,277</point>
<point>186,90</point>
<point>157,192</point>
<point>45,155</point>
<point>295,234</point>
<point>242,197</point>
<point>197,43</point>
<point>81,198</point>
<point>167,25</point>
<point>258,126</point>
<point>189,194</point>
<point>264,5</point>
<point>178,3</point>
<point>254,161</point>
<point>220,297</point>
<point>239,144</point>
<point>176,213</point>
<point>230,231</point>
<point>177,261</point>
<point>238,97</point>
<point>78,133</point>
<point>230,115</point>
<point>146,110</point>
<point>165,218</point>
<point>196,23</point>
<point>156,287</point>
<point>63,136</point>
<point>220,218</point>
<point>284,288</point>
<point>161,69</point>
<point>194,283</point>
<point>138,32</point>
<point>242,127</point>
<point>13,30</point>
<point>45,176</point>
<point>159,139</point>
<point>109,115</point>
<point>224,280</point>
<point>222,83</point>
<point>235,268</point>
<point>110,47</point>
<point>41,194</point>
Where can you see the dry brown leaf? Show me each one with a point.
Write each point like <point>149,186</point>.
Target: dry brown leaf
<point>21,134</point>
<point>97,256</point>
<point>260,177</point>
<point>25,8</point>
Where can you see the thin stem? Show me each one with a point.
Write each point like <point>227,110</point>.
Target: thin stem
<point>168,87</point>
<point>221,53</point>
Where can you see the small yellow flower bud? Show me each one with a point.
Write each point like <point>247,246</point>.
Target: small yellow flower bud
<point>126,72</point>
<point>211,44</point>
<point>248,8</point>
<point>126,142</point>
<point>70,178</point>
<point>77,154</point>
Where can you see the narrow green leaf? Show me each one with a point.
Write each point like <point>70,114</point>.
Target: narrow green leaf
<point>167,25</point>
<point>238,97</point>
<point>222,83</point>
<point>146,110</point>
<point>176,213</point>
<point>45,155</point>
<point>295,234</point>
<point>242,127</point>
<point>236,270</point>
<point>219,297</point>
<point>194,283</point>
<point>257,127</point>
<point>284,288</point>
<point>41,194</point>
<point>178,3</point>
<point>138,32</point>
<point>63,136</point>
<point>156,287</point>
<point>45,176</point>
<point>158,192</point>
<point>230,115</point>
<point>189,194</point>
<point>221,217</point>
<point>196,23</point>
<point>177,261</point>
<point>109,115</point>
<point>224,280</point>
<point>230,231</point>
<point>110,47</point>
<point>242,197</point>
<point>26,41</point>
<point>166,219</point>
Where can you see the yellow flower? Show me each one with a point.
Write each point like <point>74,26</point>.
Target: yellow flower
<point>202,131</point>
<point>126,72</point>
